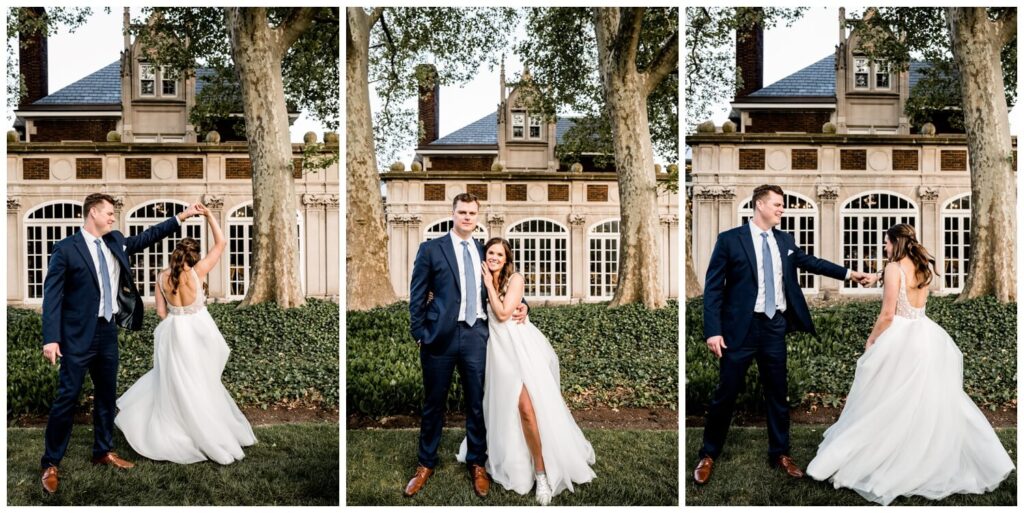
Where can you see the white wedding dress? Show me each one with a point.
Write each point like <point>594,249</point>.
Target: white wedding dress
<point>180,411</point>
<point>908,428</point>
<point>518,355</point>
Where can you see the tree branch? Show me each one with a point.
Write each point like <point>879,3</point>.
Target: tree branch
<point>298,21</point>
<point>375,15</point>
<point>664,63</point>
<point>1007,27</point>
<point>627,38</point>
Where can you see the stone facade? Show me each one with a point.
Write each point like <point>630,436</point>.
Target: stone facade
<point>144,176</point>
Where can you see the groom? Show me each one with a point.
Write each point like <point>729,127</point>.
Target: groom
<point>87,294</point>
<point>751,300</point>
<point>448,320</point>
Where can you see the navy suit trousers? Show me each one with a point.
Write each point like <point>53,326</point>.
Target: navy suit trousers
<point>467,351</point>
<point>765,343</point>
<point>100,360</point>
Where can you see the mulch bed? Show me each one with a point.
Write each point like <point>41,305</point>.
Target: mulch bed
<point>598,418</point>
<point>1002,417</point>
<point>256,416</point>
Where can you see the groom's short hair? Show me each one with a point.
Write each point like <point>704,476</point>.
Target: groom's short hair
<point>761,191</point>
<point>465,197</point>
<point>95,199</point>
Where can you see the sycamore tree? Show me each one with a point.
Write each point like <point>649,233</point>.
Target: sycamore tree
<point>383,47</point>
<point>617,68</point>
<point>972,52</point>
<point>274,57</point>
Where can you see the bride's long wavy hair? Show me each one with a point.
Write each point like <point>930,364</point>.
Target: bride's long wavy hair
<point>186,252</point>
<point>905,245</point>
<point>501,282</point>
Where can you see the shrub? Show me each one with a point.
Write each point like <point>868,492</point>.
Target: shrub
<point>609,357</point>
<point>821,370</point>
<point>278,357</point>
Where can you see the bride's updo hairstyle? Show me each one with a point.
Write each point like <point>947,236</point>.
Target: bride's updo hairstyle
<point>905,244</point>
<point>506,270</point>
<point>186,252</point>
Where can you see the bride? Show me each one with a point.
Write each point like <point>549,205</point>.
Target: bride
<point>179,411</point>
<point>908,428</point>
<point>531,435</point>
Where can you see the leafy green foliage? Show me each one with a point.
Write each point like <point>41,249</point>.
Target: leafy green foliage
<point>457,41</point>
<point>625,356</point>
<point>821,370</point>
<point>278,357</point>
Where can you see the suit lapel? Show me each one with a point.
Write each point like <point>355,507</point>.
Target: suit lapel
<point>748,246</point>
<point>449,255</point>
<point>117,251</point>
<point>783,252</point>
<point>83,248</point>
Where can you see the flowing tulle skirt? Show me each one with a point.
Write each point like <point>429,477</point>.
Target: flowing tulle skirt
<point>180,411</point>
<point>908,428</point>
<point>520,355</point>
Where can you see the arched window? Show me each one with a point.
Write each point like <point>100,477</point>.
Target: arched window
<point>603,243</point>
<point>865,219</point>
<point>956,242</point>
<point>442,227</point>
<point>240,247</point>
<point>800,221</point>
<point>148,262</point>
<point>540,248</point>
<point>45,226</point>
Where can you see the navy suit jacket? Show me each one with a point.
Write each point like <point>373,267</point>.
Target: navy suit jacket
<point>71,291</point>
<point>730,285</point>
<point>437,271</point>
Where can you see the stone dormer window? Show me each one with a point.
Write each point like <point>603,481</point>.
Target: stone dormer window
<point>147,80</point>
<point>534,127</point>
<point>882,75</point>
<point>518,125</point>
<point>169,81</point>
<point>861,72</point>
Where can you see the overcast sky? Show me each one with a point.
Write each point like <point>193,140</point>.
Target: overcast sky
<point>812,37</point>
<point>98,43</point>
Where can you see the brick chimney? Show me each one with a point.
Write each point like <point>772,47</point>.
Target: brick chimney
<point>430,103</point>
<point>32,58</point>
<point>750,52</point>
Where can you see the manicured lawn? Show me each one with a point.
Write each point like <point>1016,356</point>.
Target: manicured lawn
<point>633,468</point>
<point>292,464</point>
<point>742,477</point>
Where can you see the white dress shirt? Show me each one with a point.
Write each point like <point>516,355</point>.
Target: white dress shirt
<point>474,256</point>
<point>113,268</point>
<point>773,247</point>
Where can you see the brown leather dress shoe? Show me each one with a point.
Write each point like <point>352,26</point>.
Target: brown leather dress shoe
<point>50,480</point>
<point>702,473</point>
<point>481,481</point>
<point>113,460</point>
<point>418,480</point>
<point>786,463</point>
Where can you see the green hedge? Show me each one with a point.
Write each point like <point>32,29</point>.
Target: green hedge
<point>278,357</point>
<point>821,371</point>
<point>618,357</point>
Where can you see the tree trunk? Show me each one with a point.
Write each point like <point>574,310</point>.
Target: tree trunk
<point>693,288</point>
<point>625,94</point>
<point>368,277</point>
<point>257,54</point>
<point>977,42</point>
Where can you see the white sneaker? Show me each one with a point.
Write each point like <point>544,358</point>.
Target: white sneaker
<point>543,490</point>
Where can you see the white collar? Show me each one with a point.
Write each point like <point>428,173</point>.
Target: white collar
<point>459,240</point>
<point>89,238</point>
<point>756,230</point>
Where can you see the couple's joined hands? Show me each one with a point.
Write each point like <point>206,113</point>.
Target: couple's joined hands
<point>196,209</point>
<point>865,279</point>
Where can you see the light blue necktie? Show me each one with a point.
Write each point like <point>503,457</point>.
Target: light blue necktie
<point>769,277</point>
<point>108,304</point>
<point>470,281</point>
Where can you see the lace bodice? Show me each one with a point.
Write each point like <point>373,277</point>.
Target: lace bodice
<point>197,305</point>
<point>903,306</point>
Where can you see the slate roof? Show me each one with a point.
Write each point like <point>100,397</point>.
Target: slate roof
<point>485,131</point>
<point>101,87</point>
<point>819,79</point>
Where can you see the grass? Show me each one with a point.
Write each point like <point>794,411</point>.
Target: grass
<point>742,477</point>
<point>633,468</point>
<point>292,464</point>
